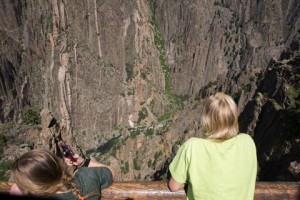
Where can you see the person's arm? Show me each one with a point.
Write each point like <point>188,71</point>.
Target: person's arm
<point>174,185</point>
<point>178,169</point>
<point>94,163</point>
<point>80,161</point>
<point>14,190</point>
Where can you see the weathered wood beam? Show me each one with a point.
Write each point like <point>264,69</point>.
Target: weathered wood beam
<point>159,190</point>
<point>141,190</point>
<point>277,191</point>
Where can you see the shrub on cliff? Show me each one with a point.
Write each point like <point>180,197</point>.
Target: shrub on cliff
<point>32,117</point>
<point>4,167</point>
<point>2,143</point>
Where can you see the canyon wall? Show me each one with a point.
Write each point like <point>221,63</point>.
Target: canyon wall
<point>124,80</point>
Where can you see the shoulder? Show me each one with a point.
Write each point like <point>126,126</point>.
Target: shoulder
<point>93,177</point>
<point>244,136</point>
<point>91,171</point>
<point>193,141</point>
<point>245,139</point>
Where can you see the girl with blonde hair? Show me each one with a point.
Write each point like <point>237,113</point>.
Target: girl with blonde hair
<point>41,173</point>
<point>223,164</point>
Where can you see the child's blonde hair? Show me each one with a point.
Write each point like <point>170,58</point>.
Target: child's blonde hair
<point>220,117</point>
<point>41,173</point>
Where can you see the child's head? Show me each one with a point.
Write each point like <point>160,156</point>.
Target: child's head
<point>220,117</point>
<point>39,172</point>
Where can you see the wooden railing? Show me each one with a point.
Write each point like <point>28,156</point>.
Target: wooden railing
<point>159,190</point>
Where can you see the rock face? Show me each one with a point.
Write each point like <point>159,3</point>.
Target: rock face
<point>131,75</point>
<point>223,41</point>
<point>274,121</point>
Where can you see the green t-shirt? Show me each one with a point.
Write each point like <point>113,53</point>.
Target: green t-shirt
<point>89,179</point>
<point>217,170</point>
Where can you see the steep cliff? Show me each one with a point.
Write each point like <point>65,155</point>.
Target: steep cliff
<point>96,65</point>
<point>224,44</point>
<point>272,117</point>
<point>230,46</point>
<point>95,69</point>
<point>124,80</point>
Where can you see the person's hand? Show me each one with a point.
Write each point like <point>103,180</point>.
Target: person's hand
<point>14,190</point>
<point>75,161</point>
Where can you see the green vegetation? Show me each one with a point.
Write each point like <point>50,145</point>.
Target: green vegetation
<point>210,85</point>
<point>142,115</point>
<point>136,165</point>
<point>259,77</point>
<point>32,116</point>
<point>149,164</point>
<point>130,92</point>
<point>125,168</point>
<point>138,177</point>
<point>119,129</point>
<point>144,74</point>
<point>149,131</point>
<point>2,143</point>
<point>134,132</point>
<point>129,71</point>
<point>246,87</point>
<point>166,116</point>
<point>252,79</point>
<point>292,92</point>
<point>159,43</point>
<point>231,31</point>
<point>4,167</point>
<point>156,156</point>
<point>293,112</point>
<point>116,147</point>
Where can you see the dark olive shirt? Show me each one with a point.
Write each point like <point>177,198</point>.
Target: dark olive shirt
<point>89,180</point>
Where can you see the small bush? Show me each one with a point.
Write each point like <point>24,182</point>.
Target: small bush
<point>149,131</point>
<point>156,156</point>
<point>149,163</point>
<point>138,177</point>
<point>292,92</point>
<point>2,143</point>
<point>134,133</point>
<point>129,71</point>
<point>144,75</point>
<point>164,117</point>
<point>125,169</point>
<point>136,164</point>
<point>4,167</point>
<point>142,115</point>
<point>32,117</point>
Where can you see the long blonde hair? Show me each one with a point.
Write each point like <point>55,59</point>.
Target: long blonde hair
<point>220,117</point>
<point>41,173</point>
